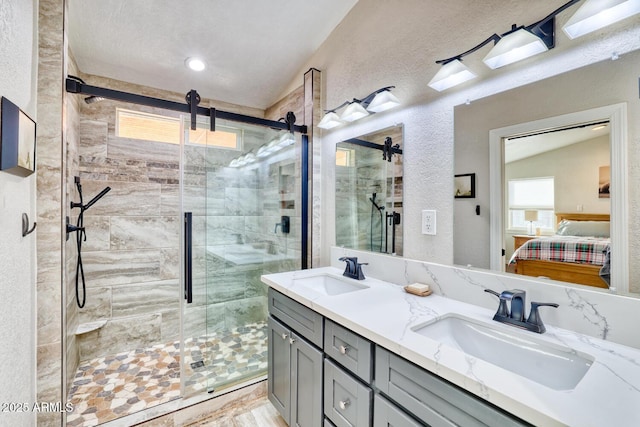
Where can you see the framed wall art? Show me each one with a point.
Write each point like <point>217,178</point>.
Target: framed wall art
<point>604,182</point>
<point>464,186</point>
<point>17,140</point>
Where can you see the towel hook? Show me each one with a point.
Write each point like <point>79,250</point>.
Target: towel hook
<point>25,225</point>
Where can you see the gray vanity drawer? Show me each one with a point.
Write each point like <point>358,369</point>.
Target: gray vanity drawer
<point>328,423</point>
<point>347,402</point>
<point>349,349</point>
<point>431,399</point>
<point>301,319</point>
<point>386,414</point>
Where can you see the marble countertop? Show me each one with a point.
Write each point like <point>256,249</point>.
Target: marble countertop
<point>384,313</point>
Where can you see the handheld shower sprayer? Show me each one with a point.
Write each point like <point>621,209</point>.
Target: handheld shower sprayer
<point>373,200</point>
<point>380,209</point>
<point>80,236</point>
<point>99,196</point>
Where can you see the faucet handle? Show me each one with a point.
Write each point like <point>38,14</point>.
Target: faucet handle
<point>350,268</point>
<point>358,273</point>
<point>503,311</point>
<point>534,317</point>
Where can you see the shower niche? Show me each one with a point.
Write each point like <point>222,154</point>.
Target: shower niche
<point>369,199</point>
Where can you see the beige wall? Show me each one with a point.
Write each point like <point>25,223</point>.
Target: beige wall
<point>18,57</point>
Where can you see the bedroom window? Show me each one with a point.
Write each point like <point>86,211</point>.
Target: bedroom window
<point>531,194</point>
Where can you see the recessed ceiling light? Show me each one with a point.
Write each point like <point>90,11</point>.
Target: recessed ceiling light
<point>195,64</point>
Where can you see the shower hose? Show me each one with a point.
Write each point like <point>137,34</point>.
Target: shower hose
<point>80,236</point>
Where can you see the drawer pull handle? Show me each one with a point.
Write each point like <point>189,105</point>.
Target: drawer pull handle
<point>284,336</point>
<point>344,403</point>
<point>291,340</point>
<point>344,349</point>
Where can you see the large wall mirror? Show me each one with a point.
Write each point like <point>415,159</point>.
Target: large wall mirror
<point>550,160</point>
<point>369,177</point>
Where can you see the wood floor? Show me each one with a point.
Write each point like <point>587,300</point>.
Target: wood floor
<point>260,414</point>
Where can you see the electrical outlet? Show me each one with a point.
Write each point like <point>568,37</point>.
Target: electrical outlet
<point>429,222</point>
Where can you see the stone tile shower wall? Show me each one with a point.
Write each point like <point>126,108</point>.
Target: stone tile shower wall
<point>71,169</point>
<point>131,253</point>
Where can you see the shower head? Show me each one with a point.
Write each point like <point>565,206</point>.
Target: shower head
<point>91,99</point>
<point>95,199</point>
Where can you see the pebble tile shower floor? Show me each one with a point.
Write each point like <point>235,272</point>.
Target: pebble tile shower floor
<point>114,386</point>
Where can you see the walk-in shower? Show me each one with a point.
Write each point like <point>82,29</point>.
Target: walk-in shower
<point>175,306</point>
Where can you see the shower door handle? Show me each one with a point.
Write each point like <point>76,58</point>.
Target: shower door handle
<point>188,258</point>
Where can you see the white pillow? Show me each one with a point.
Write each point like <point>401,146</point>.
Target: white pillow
<point>583,228</point>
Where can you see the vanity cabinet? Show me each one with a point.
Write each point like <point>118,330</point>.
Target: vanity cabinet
<point>349,349</point>
<point>347,402</point>
<point>346,380</point>
<point>431,399</point>
<point>295,376</point>
<point>301,319</point>
<point>386,414</point>
<point>295,364</point>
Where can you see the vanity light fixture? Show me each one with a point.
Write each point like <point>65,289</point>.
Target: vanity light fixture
<point>383,101</point>
<point>518,44</point>
<point>596,14</point>
<point>515,45</point>
<point>330,120</point>
<point>376,102</point>
<point>195,64</point>
<point>452,73</point>
<point>353,112</point>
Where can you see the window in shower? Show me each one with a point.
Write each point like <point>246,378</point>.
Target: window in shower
<point>223,137</point>
<point>147,126</point>
<point>157,128</point>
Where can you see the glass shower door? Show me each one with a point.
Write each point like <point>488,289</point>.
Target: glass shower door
<point>240,185</point>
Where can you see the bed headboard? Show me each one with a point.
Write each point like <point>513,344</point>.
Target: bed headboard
<point>579,216</point>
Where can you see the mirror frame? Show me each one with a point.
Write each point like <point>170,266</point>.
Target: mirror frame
<point>617,116</point>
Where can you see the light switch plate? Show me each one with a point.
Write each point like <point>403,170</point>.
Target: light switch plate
<point>429,222</point>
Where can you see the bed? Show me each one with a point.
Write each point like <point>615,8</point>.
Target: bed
<point>540,257</point>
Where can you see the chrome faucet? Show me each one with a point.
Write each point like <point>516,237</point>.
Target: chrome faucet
<point>353,269</point>
<point>515,316</point>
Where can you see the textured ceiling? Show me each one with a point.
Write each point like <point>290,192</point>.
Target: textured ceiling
<point>253,48</point>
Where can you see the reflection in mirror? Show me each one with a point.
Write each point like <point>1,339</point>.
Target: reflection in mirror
<point>558,170</point>
<point>369,177</point>
<point>603,91</point>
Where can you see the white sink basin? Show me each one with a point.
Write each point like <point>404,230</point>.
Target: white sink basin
<point>326,284</point>
<point>556,367</point>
